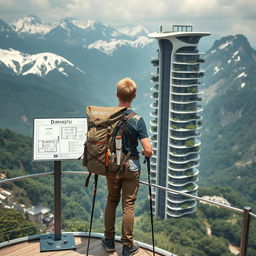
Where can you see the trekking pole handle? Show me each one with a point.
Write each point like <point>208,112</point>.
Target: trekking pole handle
<point>147,159</point>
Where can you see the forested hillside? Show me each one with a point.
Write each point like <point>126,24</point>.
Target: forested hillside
<point>209,232</point>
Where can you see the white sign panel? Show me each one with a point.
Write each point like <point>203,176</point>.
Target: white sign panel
<point>59,138</point>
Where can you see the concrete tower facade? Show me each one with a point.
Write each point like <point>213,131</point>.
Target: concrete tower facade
<point>176,120</point>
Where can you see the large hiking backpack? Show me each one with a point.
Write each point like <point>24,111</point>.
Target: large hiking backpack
<point>100,152</point>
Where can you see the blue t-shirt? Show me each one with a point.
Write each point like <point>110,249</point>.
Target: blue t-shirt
<point>137,130</point>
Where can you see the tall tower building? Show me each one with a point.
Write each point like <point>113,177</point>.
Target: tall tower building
<point>176,119</point>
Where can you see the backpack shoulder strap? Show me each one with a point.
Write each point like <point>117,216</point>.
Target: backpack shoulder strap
<point>131,115</point>
<point>86,184</point>
<point>124,122</point>
<point>131,140</point>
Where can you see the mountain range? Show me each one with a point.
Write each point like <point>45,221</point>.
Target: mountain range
<point>56,69</point>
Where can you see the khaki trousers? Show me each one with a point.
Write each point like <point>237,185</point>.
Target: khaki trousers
<point>128,184</point>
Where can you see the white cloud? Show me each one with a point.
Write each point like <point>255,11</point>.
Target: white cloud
<point>221,17</point>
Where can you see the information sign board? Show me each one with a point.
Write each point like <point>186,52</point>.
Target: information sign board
<point>59,138</point>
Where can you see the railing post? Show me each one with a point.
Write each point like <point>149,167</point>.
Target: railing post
<point>245,231</point>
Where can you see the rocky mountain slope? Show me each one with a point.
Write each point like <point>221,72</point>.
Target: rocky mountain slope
<point>228,139</point>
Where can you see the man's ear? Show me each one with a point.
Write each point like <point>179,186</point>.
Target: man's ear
<point>134,96</point>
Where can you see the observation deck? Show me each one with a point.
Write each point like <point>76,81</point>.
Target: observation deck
<point>30,246</point>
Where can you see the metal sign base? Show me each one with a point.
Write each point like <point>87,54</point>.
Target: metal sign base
<point>47,243</point>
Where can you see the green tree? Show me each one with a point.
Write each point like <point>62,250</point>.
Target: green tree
<point>13,220</point>
<point>214,246</point>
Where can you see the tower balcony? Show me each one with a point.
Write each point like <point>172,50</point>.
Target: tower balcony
<point>154,95</point>
<point>155,61</point>
<point>178,71</point>
<point>181,181</point>
<point>183,167</point>
<point>185,138</point>
<point>153,175</point>
<point>191,62</point>
<point>153,129</point>
<point>182,174</point>
<point>184,78</point>
<point>190,124</point>
<point>154,105</point>
<point>184,117</point>
<point>187,93</point>
<point>179,120</point>
<point>179,159</point>
<point>185,144</point>
<point>174,197</point>
<point>185,105</point>
<point>185,101</point>
<point>154,113</point>
<point>153,122</point>
<point>185,128</point>
<point>177,214</point>
<point>182,153</point>
<point>155,88</point>
<point>195,53</point>
<point>198,110</point>
<point>154,146</point>
<point>177,197</point>
<point>153,160</point>
<point>184,161</point>
<point>188,187</point>
<point>154,77</point>
<point>185,98</point>
<point>177,84</point>
<point>153,137</point>
<point>184,204</point>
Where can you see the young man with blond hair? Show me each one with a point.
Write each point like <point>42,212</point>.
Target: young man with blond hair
<point>128,183</point>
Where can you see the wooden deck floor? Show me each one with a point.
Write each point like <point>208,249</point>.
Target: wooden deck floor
<point>32,248</point>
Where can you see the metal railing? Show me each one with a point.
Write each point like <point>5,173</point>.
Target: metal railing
<point>9,232</point>
<point>246,212</point>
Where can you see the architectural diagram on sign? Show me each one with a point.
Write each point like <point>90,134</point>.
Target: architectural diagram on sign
<point>72,132</point>
<point>59,138</point>
<point>47,146</point>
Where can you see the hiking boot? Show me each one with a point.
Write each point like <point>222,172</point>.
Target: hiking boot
<point>109,244</point>
<point>130,250</point>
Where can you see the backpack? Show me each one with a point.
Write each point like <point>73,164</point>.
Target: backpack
<point>105,124</point>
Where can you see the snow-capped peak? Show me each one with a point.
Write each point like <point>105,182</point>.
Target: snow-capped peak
<point>133,31</point>
<point>38,64</point>
<point>109,47</point>
<point>84,24</point>
<point>225,45</point>
<point>31,24</point>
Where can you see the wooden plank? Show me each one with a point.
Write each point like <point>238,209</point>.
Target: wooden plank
<point>96,249</point>
<point>11,248</point>
<point>20,249</point>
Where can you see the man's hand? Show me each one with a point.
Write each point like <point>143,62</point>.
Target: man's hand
<point>147,147</point>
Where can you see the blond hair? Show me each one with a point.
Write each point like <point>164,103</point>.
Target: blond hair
<point>126,89</point>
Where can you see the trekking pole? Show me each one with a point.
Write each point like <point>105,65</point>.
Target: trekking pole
<point>147,159</point>
<point>93,203</point>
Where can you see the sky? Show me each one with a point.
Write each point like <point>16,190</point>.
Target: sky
<point>219,17</point>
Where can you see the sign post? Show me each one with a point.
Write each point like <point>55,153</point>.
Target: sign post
<point>57,200</point>
<point>58,139</point>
